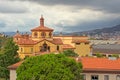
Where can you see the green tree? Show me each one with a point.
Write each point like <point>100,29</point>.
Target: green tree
<point>70,53</point>
<point>2,43</point>
<point>49,67</point>
<point>115,55</point>
<point>9,56</point>
<point>99,55</point>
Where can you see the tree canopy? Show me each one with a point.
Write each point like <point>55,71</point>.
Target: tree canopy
<point>8,57</point>
<point>49,67</point>
<point>70,53</point>
<point>3,41</point>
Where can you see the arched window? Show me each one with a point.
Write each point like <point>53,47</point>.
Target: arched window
<point>57,47</point>
<point>35,34</point>
<point>31,49</point>
<point>43,34</point>
<point>50,34</point>
<point>21,49</point>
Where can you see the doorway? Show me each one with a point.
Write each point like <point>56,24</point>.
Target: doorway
<point>44,47</point>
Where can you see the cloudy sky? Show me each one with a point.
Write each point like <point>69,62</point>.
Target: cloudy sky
<point>62,15</point>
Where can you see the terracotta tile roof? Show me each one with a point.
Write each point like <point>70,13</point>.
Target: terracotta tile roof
<point>26,42</point>
<point>42,28</point>
<point>54,41</point>
<point>100,64</point>
<point>57,41</point>
<point>80,40</point>
<point>90,64</point>
<point>15,66</point>
<point>68,46</point>
<point>17,35</point>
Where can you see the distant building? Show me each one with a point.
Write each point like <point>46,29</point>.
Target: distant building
<point>93,68</point>
<point>95,42</point>
<point>100,68</point>
<point>42,41</point>
<point>2,35</point>
<point>106,49</point>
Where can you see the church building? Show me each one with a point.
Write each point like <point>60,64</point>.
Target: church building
<point>42,41</point>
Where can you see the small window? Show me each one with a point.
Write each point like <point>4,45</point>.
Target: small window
<point>109,55</point>
<point>43,34</point>
<point>35,34</point>
<point>84,77</point>
<point>94,77</point>
<point>57,48</point>
<point>31,49</point>
<point>21,49</point>
<point>50,34</point>
<point>106,77</point>
<point>49,48</point>
<point>118,77</point>
<point>86,43</point>
<point>77,43</point>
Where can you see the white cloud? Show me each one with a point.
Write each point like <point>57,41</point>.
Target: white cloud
<point>57,16</point>
<point>12,7</point>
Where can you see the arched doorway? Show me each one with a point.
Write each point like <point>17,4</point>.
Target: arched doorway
<point>44,47</point>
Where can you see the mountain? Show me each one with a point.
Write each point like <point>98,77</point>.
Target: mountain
<point>13,33</point>
<point>113,30</point>
<point>9,33</point>
<point>110,30</point>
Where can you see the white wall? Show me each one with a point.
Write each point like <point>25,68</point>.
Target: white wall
<point>13,75</point>
<point>101,76</point>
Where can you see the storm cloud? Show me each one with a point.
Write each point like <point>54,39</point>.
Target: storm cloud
<point>9,7</point>
<point>92,25</point>
<point>62,15</point>
<point>111,6</point>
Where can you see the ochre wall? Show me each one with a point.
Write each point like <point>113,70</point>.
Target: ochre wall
<point>82,49</point>
<point>66,40</point>
<point>53,47</point>
<point>39,37</point>
<point>26,49</point>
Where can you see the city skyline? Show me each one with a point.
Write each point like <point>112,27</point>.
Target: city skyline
<point>61,15</point>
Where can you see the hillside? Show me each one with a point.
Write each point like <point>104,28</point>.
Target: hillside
<point>113,29</point>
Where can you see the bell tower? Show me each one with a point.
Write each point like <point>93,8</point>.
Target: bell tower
<point>42,21</point>
<point>42,32</point>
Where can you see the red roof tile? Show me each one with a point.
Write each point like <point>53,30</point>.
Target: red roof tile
<point>42,28</point>
<point>90,64</point>
<point>54,41</point>
<point>57,41</point>
<point>100,64</point>
<point>17,35</point>
<point>80,41</point>
<point>15,66</point>
<point>68,46</point>
<point>26,42</point>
